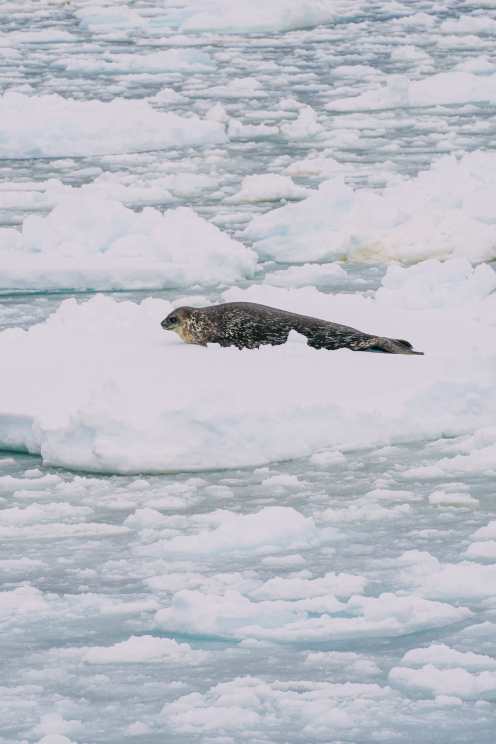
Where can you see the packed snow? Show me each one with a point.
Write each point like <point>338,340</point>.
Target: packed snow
<point>445,211</point>
<point>114,392</point>
<point>91,241</point>
<point>52,126</point>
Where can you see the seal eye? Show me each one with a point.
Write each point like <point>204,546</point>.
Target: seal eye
<point>173,319</point>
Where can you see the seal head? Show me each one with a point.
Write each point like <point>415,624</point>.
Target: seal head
<point>179,321</point>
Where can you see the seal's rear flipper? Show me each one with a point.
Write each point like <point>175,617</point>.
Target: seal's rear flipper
<point>389,346</point>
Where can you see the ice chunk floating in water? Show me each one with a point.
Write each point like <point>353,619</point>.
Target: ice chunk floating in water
<point>92,242</point>
<point>129,398</point>
<point>32,126</point>
<point>445,211</point>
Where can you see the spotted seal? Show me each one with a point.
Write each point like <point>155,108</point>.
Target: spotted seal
<point>248,325</point>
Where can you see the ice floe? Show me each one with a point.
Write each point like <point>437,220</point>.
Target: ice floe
<point>268,187</point>
<point>441,670</point>
<point>465,580</point>
<point>258,16</point>
<point>444,211</point>
<point>182,60</point>
<point>139,649</point>
<point>101,402</point>
<point>92,241</point>
<point>233,614</point>
<point>454,87</point>
<point>42,126</point>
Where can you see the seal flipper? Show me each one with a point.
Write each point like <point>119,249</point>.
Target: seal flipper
<point>344,338</point>
<point>388,346</point>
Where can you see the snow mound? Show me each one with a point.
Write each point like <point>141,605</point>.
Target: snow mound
<point>52,126</point>
<point>445,211</point>
<point>115,393</point>
<point>91,241</point>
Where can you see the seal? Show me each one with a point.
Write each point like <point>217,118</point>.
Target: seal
<point>248,325</point>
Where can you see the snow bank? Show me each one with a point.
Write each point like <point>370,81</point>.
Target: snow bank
<point>444,211</point>
<point>115,393</point>
<point>52,126</point>
<point>91,241</point>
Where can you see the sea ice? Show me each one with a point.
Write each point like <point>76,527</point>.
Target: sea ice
<point>453,681</point>
<point>268,187</point>
<point>444,211</point>
<point>329,571</point>
<point>454,87</point>
<point>41,126</point>
<point>172,60</point>
<point>138,649</point>
<point>99,402</point>
<point>257,16</point>
<point>91,241</point>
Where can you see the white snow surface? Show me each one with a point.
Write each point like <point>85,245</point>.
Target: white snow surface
<point>221,16</point>
<point>445,211</point>
<point>456,86</point>
<point>279,15</point>
<point>268,187</point>
<point>50,125</point>
<point>114,392</point>
<point>92,241</point>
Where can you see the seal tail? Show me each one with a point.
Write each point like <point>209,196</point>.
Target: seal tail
<point>389,346</point>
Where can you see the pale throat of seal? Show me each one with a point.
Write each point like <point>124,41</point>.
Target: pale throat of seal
<point>187,331</point>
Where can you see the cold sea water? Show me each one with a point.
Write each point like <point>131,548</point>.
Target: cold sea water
<point>283,546</point>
